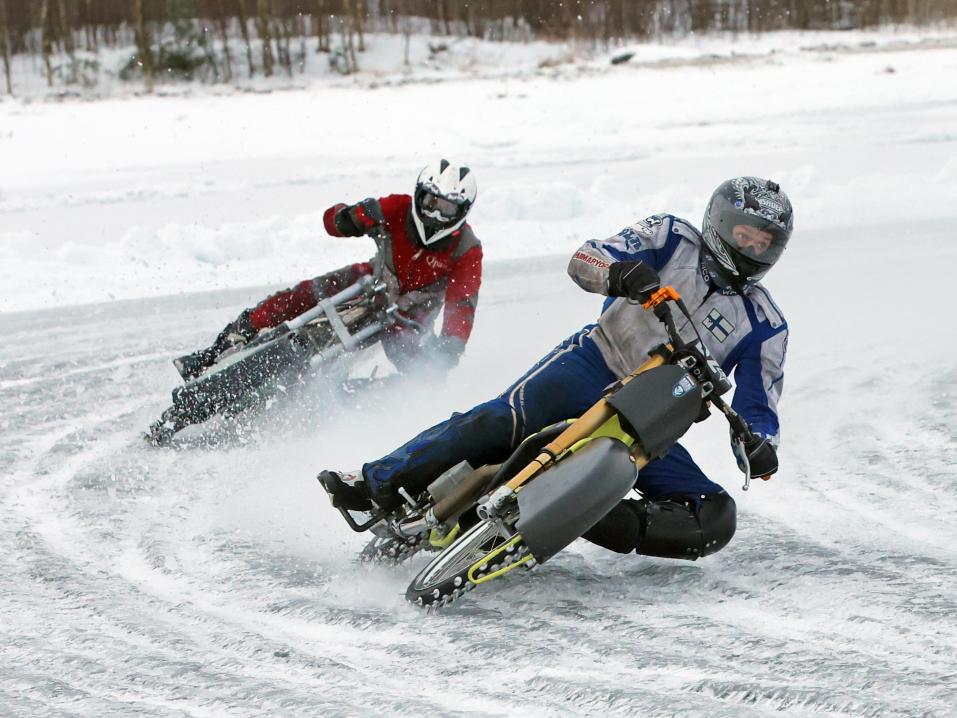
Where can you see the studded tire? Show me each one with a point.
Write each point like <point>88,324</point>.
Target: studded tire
<point>445,578</point>
<point>391,550</point>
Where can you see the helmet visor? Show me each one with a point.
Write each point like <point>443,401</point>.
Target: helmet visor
<point>439,209</point>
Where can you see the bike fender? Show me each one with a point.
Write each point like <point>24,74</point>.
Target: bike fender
<point>565,501</point>
<point>658,406</point>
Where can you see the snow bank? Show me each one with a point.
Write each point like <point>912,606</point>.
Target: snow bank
<point>134,197</point>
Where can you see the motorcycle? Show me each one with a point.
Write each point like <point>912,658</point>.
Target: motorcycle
<point>249,374</point>
<point>485,522</point>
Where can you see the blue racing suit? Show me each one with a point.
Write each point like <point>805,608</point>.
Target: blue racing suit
<point>747,334</point>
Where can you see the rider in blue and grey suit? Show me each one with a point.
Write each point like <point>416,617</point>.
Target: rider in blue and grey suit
<point>682,513</point>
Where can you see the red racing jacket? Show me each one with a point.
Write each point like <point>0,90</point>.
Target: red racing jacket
<point>421,279</point>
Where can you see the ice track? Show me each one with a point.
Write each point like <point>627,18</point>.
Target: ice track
<point>215,580</point>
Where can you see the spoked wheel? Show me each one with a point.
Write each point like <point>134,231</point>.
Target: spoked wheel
<point>486,551</point>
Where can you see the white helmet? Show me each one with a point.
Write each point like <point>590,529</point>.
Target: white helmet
<point>444,193</point>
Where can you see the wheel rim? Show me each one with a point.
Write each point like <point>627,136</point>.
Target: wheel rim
<point>478,541</point>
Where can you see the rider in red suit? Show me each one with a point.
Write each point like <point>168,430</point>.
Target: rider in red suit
<point>428,254</point>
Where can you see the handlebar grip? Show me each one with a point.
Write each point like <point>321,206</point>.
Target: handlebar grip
<point>664,294</point>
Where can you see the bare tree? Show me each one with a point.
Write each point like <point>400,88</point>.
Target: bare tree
<point>281,31</point>
<point>244,29</point>
<point>88,27</point>
<point>223,22</point>
<point>265,34</point>
<point>66,29</point>
<point>143,44</point>
<point>5,41</point>
<point>323,31</point>
<point>46,42</point>
<point>348,43</point>
<point>358,10</point>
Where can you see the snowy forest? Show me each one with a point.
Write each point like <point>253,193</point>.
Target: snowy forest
<point>219,40</point>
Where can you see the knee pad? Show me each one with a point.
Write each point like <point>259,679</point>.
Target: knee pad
<point>672,528</point>
<point>619,530</point>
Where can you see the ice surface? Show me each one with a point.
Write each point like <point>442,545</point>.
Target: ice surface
<point>216,580</point>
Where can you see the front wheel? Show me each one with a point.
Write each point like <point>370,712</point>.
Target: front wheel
<point>486,551</point>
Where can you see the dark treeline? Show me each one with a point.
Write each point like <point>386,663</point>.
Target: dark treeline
<point>217,40</point>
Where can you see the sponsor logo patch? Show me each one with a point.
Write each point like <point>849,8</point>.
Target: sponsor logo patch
<point>716,323</point>
<point>587,259</point>
<point>631,237</point>
<point>684,385</point>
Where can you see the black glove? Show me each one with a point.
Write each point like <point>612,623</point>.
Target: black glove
<point>762,457</point>
<point>635,280</point>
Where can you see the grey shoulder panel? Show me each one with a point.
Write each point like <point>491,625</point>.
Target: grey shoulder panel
<point>684,228</point>
<point>467,240</point>
<point>384,254</point>
<point>766,306</point>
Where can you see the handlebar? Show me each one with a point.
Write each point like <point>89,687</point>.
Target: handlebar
<point>704,369</point>
<point>404,320</point>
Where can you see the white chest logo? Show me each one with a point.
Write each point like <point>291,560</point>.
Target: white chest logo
<point>435,262</point>
<point>719,327</point>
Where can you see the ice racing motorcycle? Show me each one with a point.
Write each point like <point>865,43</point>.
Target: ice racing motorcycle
<point>248,374</point>
<point>485,522</point>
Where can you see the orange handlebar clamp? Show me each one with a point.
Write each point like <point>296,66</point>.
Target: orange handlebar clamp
<point>662,295</point>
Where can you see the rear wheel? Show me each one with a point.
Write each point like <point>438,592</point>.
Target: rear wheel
<point>487,550</point>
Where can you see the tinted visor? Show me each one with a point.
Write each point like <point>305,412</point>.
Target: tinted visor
<point>754,239</point>
<point>439,208</point>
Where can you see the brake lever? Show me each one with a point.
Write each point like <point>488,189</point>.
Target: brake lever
<point>742,456</point>
<point>399,317</point>
<point>741,435</point>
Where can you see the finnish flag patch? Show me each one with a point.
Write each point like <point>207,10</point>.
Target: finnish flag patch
<point>719,327</point>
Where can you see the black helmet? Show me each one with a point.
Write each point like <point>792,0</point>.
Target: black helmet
<point>746,227</point>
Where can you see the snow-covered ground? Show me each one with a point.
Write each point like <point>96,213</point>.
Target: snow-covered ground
<point>185,193</point>
<point>392,59</point>
<point>216,580</point>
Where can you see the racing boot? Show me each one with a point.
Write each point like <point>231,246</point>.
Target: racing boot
<point>347,490</point>
<point>235,333</point>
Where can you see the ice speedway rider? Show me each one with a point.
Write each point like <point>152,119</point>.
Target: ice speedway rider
<point>681,513</point>
<point>428,256</point>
